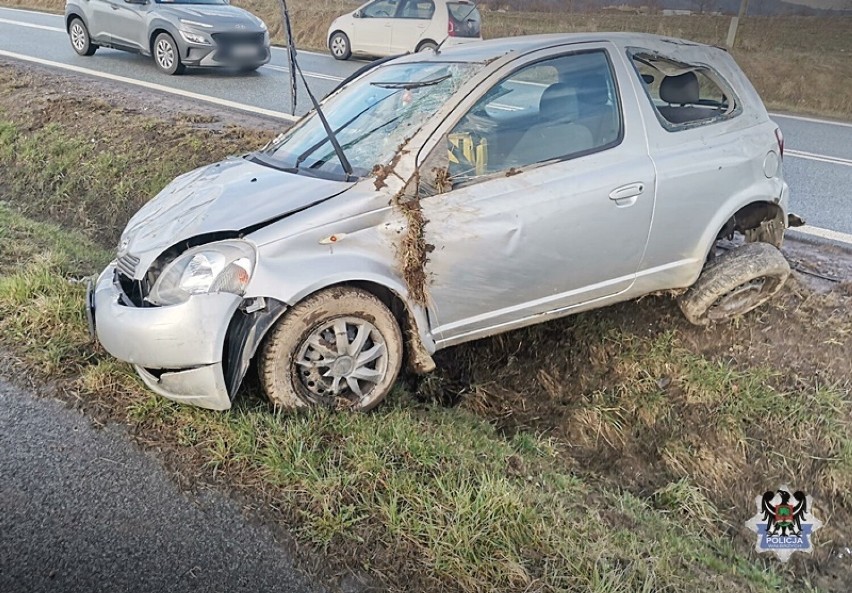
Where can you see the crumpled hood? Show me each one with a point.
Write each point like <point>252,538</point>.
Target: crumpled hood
<point>220,16</point>
<point>227,196</point>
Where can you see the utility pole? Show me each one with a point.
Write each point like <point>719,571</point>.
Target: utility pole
<point>735,22</point>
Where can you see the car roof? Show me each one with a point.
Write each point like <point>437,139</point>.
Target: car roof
<point>486,51</point>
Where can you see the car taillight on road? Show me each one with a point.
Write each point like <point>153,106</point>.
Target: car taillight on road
<point>779,136</point>
<point>451,28</point>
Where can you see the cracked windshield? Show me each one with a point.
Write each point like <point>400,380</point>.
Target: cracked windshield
<point>372,117</point>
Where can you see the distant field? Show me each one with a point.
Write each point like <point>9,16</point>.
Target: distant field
<point>799,64</point>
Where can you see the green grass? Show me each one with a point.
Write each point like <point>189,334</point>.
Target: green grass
<point>587,454</point>
<point>441,490</point>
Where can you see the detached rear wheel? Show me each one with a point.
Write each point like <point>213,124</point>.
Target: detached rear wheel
<point>80,40</point>
<point>735,283</point>
<point>167,55</point>
<point>340,347</point>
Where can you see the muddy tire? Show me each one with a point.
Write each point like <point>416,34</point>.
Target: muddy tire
<point>339,46</point>
<point>78,34</point>
<point>735,283</point>
<point>427,45</point>
<point>340,347</point>
<point>167,55</point>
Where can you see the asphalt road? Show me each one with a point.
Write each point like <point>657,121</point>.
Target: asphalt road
<point>818,161</point>
<point>83,509</point>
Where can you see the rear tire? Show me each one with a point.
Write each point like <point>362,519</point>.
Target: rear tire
<point>167,55</point>
<point>80,40</point>
<point>427,45</point>
<point>735,283</point>
<point>341,347</point>
<point>339,46</point>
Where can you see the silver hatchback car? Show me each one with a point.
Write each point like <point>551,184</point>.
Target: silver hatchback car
<point>468,193</point>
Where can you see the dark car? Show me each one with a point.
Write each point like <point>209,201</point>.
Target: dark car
<point>177,33</point>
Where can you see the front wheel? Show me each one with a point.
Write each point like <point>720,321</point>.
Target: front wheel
<point>340,347</point>
<point>80,40</point>
<point>339,46</point>
<point>735,283</point>
<point>167,55</point>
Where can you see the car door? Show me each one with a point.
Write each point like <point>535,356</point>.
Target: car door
<point>127,23</point>
<point>373,28</point>
<point>546,196</point>
<point>413,19</point>
<point>99,14</point>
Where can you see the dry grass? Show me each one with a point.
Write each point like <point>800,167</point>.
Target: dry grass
<point>81,161</point>
<point>798,64</point>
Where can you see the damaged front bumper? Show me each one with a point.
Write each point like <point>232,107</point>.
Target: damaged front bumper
<point>177,350</point>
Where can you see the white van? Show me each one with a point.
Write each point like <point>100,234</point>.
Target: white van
<point>391,27</point>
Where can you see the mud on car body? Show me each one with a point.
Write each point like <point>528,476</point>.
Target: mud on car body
<point>474,191</point>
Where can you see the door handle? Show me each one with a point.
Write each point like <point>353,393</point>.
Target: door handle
<point>626,194</point>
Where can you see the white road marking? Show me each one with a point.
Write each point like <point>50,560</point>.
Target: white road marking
<point>308,74</point>
<point>813,120</point>
<point>824,233</point>
<point>834,160</point>
<point>32,25</point>
<point>153,86</point>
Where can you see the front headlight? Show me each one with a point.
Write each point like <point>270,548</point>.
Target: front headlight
<point>225,266</point>
<point>191,37</point>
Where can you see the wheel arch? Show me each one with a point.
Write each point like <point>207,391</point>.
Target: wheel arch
<point>74,13</point>
<point>156,29</point>
<point>423,42</point>
<point>335,32</point>
<point>757,219</point>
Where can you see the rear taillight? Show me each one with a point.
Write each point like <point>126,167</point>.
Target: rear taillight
<point>451,28</point>
<point>779,136</point>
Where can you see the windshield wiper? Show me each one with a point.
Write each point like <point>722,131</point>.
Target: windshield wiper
<point>411,85</point>
<point>313,148</point>
<point>360,138</point>
<point>294,65</point>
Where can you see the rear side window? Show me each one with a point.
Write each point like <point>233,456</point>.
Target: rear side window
<point>684,95</point>
<point>417,9</point>
<point>380,9</point>
<point>465,20</point>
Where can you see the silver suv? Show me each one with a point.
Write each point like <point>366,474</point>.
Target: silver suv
<point>464,193</point>
<point>177,33</point>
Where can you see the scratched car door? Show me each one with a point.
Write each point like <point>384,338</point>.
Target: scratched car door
<point>549,199</point>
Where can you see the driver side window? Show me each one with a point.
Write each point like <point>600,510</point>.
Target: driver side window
<point>380,9</point>
<point>553,109</point>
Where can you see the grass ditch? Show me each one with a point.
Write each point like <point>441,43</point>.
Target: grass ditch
<point>797,63</point>
<point>606,452</point>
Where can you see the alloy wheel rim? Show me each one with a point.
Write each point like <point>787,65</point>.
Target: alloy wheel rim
<point>342,361</point>
<point>78,38</point>
<point>165,54</point>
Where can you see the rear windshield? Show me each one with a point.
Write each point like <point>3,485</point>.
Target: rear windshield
<point>465,20</point>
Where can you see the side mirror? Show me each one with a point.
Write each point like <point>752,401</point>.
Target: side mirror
<point>357,14</point>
